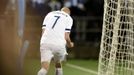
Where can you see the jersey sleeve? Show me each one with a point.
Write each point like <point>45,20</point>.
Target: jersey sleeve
<point>69,24</point>
<point>45,21</point>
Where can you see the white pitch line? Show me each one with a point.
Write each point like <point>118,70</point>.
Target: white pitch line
<point>81,68</point>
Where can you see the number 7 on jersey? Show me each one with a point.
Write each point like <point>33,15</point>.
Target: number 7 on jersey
<point>57,17</point>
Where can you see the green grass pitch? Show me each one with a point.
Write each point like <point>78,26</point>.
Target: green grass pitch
<point>31,67</point>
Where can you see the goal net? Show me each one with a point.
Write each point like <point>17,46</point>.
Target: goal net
<point>117,42</point>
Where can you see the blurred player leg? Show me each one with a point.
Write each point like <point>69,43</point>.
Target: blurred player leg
<point>58,69</point>
<point>44,69</point>
<point>58,58</point>
<point>46,56</point>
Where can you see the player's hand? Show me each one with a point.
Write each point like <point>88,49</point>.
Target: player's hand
<point>70,45</point>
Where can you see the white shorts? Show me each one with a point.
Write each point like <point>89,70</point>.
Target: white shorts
<point>49,51</point>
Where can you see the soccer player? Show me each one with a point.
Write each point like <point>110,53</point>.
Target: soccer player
<point>55,37</point>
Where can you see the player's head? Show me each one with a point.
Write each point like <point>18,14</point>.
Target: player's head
<point>66,9</point>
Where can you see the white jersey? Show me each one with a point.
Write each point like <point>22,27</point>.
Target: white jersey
<point>56,23</point>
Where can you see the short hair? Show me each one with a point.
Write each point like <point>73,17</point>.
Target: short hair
<point>66,9</point>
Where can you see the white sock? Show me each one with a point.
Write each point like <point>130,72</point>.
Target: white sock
<point>42,71</point>
<point>59,71</point>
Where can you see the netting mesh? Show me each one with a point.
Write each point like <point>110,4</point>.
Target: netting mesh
<point>117,44</point>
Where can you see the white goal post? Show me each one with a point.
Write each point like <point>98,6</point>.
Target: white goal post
<point>117,42</point>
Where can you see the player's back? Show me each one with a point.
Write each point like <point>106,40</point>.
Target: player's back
<point>56,22</point>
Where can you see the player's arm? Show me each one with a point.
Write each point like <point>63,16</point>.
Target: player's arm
<point>70,44</point>
<point>69,23</point>
<point>43,29</point>
<point>45,22</point>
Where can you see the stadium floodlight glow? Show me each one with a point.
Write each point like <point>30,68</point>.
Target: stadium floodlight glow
<point>117,42</point>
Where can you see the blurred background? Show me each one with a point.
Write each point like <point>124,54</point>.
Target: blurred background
<point>20,33</point>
